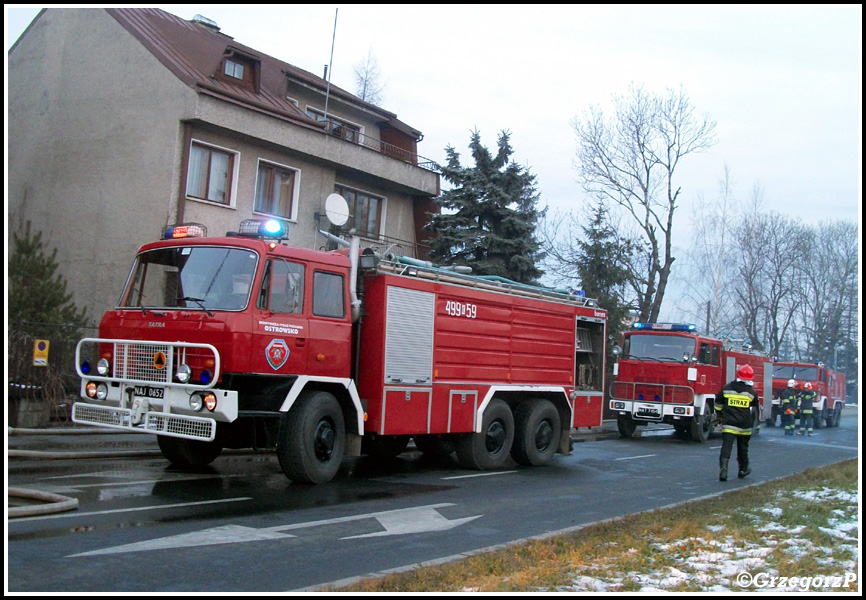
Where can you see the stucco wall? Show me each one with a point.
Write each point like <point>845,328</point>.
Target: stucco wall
<point>92,158</point>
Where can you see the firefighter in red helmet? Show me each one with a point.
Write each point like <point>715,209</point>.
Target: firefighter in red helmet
<point>736,405</point>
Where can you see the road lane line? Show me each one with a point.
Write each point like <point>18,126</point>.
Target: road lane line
<point>122,510</point>
<point>633,457</point>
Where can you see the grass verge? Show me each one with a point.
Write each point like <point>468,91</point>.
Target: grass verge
<point>801,530</point>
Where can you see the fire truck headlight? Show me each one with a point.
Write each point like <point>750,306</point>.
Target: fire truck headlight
<point>183,373</point>
<point>619,405</point>
<point>102,367</point>
<point>196,402</point>
<point>97,391</point>
<point>210,402</point>
<point>616,350</point>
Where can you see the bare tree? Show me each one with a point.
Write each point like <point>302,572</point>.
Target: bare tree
<point>770,248</point>
<point>368,85</point>
<point>830,265</point>
<point>711,259</point>
<point>630,161</point>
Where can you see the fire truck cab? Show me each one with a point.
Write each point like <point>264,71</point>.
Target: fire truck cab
<point>667,373</point>
<point>829,386</point>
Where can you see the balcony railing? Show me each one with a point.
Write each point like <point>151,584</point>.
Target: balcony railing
<point>354,136</point>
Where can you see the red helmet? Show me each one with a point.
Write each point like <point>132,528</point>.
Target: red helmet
<point>745,372</point>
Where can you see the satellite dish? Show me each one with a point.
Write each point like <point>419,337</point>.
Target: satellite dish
<point>337,210</point>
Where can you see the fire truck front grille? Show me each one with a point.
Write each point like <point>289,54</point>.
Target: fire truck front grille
<point>144,362</point>
<point>99,415</point>
<point>195,428</point>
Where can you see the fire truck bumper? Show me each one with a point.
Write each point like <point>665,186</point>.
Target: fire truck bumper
<point>169,413</point>
<point>651,411</point>
<point>159,423</point>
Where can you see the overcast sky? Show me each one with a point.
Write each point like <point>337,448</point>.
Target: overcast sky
<point>784,83</point>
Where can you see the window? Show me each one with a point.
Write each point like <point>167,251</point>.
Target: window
<point>339,128</point>
<point>195,278</point>
<point>365,212</point>
<point>275,191</point>
<point>209,176</point>
<point>328,295</point>
<point>234,69</point>
<point>282,287</point>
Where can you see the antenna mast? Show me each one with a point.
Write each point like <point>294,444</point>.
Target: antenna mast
<point>330,66</point>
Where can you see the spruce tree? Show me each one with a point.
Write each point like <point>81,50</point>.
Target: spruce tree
<point>39,304</point>
<point>602,266</point>
<point>489,215</point>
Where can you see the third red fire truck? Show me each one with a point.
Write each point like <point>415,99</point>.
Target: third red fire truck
<point>242,341</point>
<point>829,387</point>
<point>667,373</point>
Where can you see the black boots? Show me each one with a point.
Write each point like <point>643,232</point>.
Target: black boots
<point>723,469</point>
<point>744,470</point>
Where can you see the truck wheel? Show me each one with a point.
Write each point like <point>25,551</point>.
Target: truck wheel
<point>837,415</point>
<point>312,439</point>
<point>536,432</point>
<point>384,446</point>
<point>626,425</point>
<point>818,419</point>
<point>701,427</point>
<point>490,448</point>
<point>188,453</point>
<point>435,444</point>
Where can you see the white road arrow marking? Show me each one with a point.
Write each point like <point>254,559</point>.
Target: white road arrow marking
<point>228,534</point>
<point>396,522</point>
<point>417,520</point>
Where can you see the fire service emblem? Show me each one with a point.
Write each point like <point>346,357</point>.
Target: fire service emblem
<point>277,353</point>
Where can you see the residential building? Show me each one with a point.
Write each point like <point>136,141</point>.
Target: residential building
<point>124,120</point>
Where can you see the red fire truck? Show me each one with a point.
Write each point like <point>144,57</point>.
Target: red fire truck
<point>245,341</point>
<point>667,373</point>
<point>829,389</point>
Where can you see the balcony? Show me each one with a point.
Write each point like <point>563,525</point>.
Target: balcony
<point>354,136</point>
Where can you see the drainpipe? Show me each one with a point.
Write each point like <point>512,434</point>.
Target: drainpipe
<point>354,249</point>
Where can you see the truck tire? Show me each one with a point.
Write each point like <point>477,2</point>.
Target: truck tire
<point>384,446</point>
<point>626,425</point>
<point>435,444</point>
<point>701,427</point>
<point>536,432</point>
<point>312,439</point>
<point>837,415</point>
<point>490,448</point>
<point>818,419</point>
<point>188,453</point>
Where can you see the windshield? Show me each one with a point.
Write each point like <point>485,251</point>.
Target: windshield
<point>795,372</point>
<point>191,277</point>
<point>657,347</point>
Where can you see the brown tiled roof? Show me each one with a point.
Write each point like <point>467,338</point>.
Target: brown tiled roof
<point>194,52</point>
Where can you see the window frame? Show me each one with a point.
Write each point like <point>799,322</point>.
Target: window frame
<point>316,298</point>
<point>353,209</point>
<point>231,173</point>
<point>351,132</point>
<point>296,186</point>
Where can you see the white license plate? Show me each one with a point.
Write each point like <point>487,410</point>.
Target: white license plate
<point>144,391</point>
<point>647,411</point>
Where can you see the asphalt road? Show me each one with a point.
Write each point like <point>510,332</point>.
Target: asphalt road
<point>241,526</point>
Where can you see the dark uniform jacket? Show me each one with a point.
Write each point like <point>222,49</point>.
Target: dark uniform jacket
<point>807,399</point>
<point>788,399</point>
<point>735,404</point>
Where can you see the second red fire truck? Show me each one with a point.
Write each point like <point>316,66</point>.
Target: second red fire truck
<point>242,341</point>
<point>667,373</point>
<point>829,389</point>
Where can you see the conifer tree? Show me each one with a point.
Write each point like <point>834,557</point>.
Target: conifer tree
<point>490,215</point>
<point>38,301</point>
